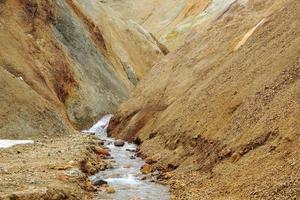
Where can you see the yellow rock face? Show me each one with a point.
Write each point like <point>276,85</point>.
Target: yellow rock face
<point>234,83</point>
<point>76,60</point>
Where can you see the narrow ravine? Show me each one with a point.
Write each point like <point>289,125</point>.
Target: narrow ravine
<point>125,176</point>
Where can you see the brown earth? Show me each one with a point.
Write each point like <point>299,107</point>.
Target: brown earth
<point>50,169</point>
<point>222,111</point>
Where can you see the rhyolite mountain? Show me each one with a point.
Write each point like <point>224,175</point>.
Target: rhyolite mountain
<point>210,88</point>
<point>221,112</point>
<point>64,64</point>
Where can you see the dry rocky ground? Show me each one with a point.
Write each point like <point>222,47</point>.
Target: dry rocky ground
<point>52,168</point>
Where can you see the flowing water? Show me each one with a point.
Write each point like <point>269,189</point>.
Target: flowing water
<point>125,176</point>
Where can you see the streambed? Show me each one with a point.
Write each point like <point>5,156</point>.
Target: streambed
<point>125,176</point>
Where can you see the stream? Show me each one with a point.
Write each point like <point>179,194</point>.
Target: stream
<point>125,176</point>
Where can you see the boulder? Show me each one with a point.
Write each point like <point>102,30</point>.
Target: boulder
<point>119,143</point>
<point>146,169</point>
<point>132,157</point>
<point>110,190</point>
<point>99,182</point>
<point>101,151</point>
<point>137,141</point>
<point>150,160</point>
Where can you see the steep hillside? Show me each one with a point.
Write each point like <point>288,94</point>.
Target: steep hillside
<point>63,66</point>
<point>175,22</point>
<point>221,113</point>
<point>168,20</point>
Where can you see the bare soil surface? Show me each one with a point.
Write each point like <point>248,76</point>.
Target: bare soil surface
<point>50,168</point>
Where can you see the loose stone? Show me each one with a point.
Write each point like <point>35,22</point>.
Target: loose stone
<point>99,182</point>
<point>119,143</point>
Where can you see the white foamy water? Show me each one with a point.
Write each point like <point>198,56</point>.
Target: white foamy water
<point>101,126</point>
<point>125,177</point>
<point>10,143</point>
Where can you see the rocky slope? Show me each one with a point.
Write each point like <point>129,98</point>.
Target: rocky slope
<point>63,66</point>
<point>173,21</point>
<point>222,111</point>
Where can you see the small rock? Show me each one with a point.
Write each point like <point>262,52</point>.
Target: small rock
<point>3,170</point>
<point>149,160</point>
<point>97,142</point>
<point>74,172</point>
<point>152,135</point>
<point>146,169</point>
<point>127,166</point>
<point>137,141</point>
<point>108,158</point>
<point>119,143</point>
<point>272,148</point>
<point>195,137</point>
<point>64,167</point>
<point>226,152</point>
<point>20,78</point>
<point>89,186</point>
<point>235,157</point>
<point>109,166</point>
<point>34,181</point>
<point>101,151</point>
<point>87,167</point>
<point>146,177</point>
<point>132,157</point>
<point>165,176</point>
<point>172,166</point>
<point>71,162</point>
<point>63,178</point>
<point>131,150</point>
<point>99,182</point>
<point>110,190</point>
<point>101,142</point>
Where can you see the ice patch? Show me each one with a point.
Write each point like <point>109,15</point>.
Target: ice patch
<point>9,143</point>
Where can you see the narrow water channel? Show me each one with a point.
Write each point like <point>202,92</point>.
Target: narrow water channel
<point>125,176</point>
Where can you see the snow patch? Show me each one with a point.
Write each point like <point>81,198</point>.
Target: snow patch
<point>10,143</point>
